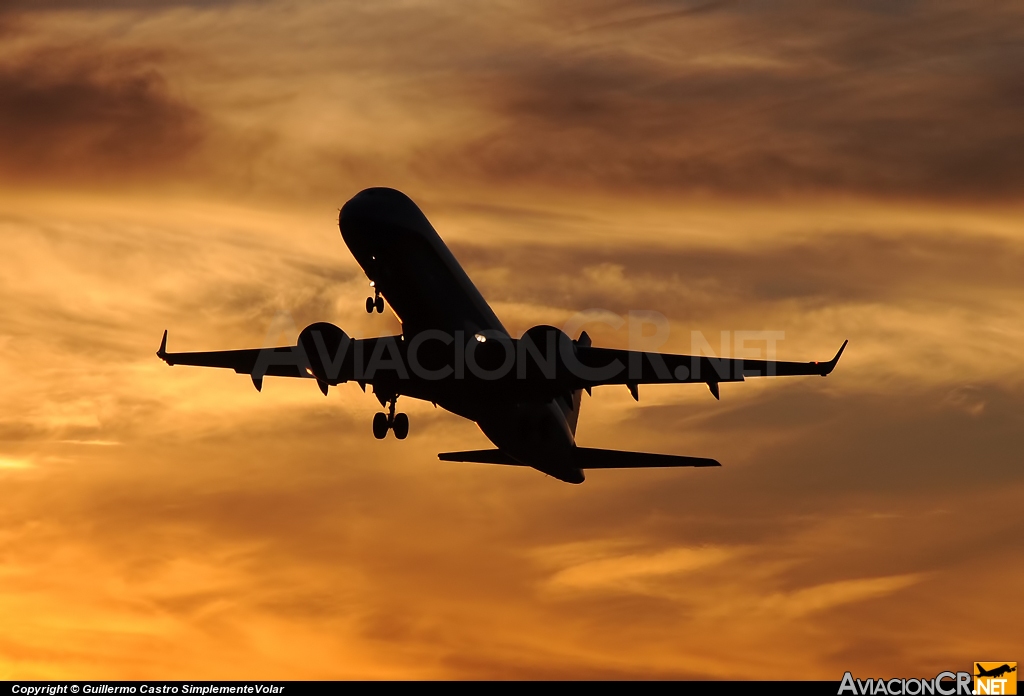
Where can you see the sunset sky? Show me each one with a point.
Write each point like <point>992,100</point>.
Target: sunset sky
<point>830,171</point>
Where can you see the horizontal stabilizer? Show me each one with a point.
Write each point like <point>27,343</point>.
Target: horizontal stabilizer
<point>590,458</point>
<point>586,458</point>
<point>487,456</point>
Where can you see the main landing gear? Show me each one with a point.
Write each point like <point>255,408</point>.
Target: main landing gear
<point>375,302</point>
<point>383,422</point>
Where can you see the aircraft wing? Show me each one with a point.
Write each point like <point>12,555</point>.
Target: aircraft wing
<point>286,361</point>
<point>335,363</point>
<point>602,366</point>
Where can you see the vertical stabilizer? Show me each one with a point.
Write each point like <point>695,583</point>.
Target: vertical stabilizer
<point>577,396</point>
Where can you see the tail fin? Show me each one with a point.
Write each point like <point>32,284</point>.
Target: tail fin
<point>576,398</point>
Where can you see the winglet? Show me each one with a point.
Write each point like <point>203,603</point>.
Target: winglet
<point>162,353</point>
<point>831,364</point>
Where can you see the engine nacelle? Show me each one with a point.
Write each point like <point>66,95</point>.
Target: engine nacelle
<point>542,353</point>
<point>327,349</point>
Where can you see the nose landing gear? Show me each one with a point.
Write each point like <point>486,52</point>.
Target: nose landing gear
<point>383,422</point>
<point>375,302</point>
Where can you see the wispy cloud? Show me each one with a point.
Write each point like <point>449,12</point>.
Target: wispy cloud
<point>634,572</point>
<point>576,157</point>
<point>717,99</point>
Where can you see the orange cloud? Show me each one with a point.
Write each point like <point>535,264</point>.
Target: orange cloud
<point>159,521</point>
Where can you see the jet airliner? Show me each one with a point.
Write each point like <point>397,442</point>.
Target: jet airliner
<point>524,393</point>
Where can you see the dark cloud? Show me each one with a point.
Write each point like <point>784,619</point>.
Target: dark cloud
<point>752,99</point>
<point>80,115</point>
<point>909,270</point>
<point>27,6</point>
<point>921,442</point>
<point>916,100</point>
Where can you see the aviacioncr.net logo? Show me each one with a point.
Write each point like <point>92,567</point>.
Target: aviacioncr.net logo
<point>995,678</point>
<point>943,684</point>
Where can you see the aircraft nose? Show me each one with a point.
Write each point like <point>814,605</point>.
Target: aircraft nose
<point>383,205</point>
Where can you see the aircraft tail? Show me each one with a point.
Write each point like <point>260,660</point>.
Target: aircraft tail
<point>576,398</point>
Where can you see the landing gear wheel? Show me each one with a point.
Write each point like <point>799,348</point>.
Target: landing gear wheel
<point>380,425</point>
<point>401,426</point>
<point>378,303</point>
<point>369,305</point>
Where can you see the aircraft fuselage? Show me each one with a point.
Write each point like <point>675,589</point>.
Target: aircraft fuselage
<point>399,250</point>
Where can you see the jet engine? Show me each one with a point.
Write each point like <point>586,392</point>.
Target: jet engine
<point>541,353</point>
<point>327,351</point>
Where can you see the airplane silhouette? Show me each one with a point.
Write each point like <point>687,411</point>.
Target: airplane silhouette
<point>453,351</point>
<point>995,672</point>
